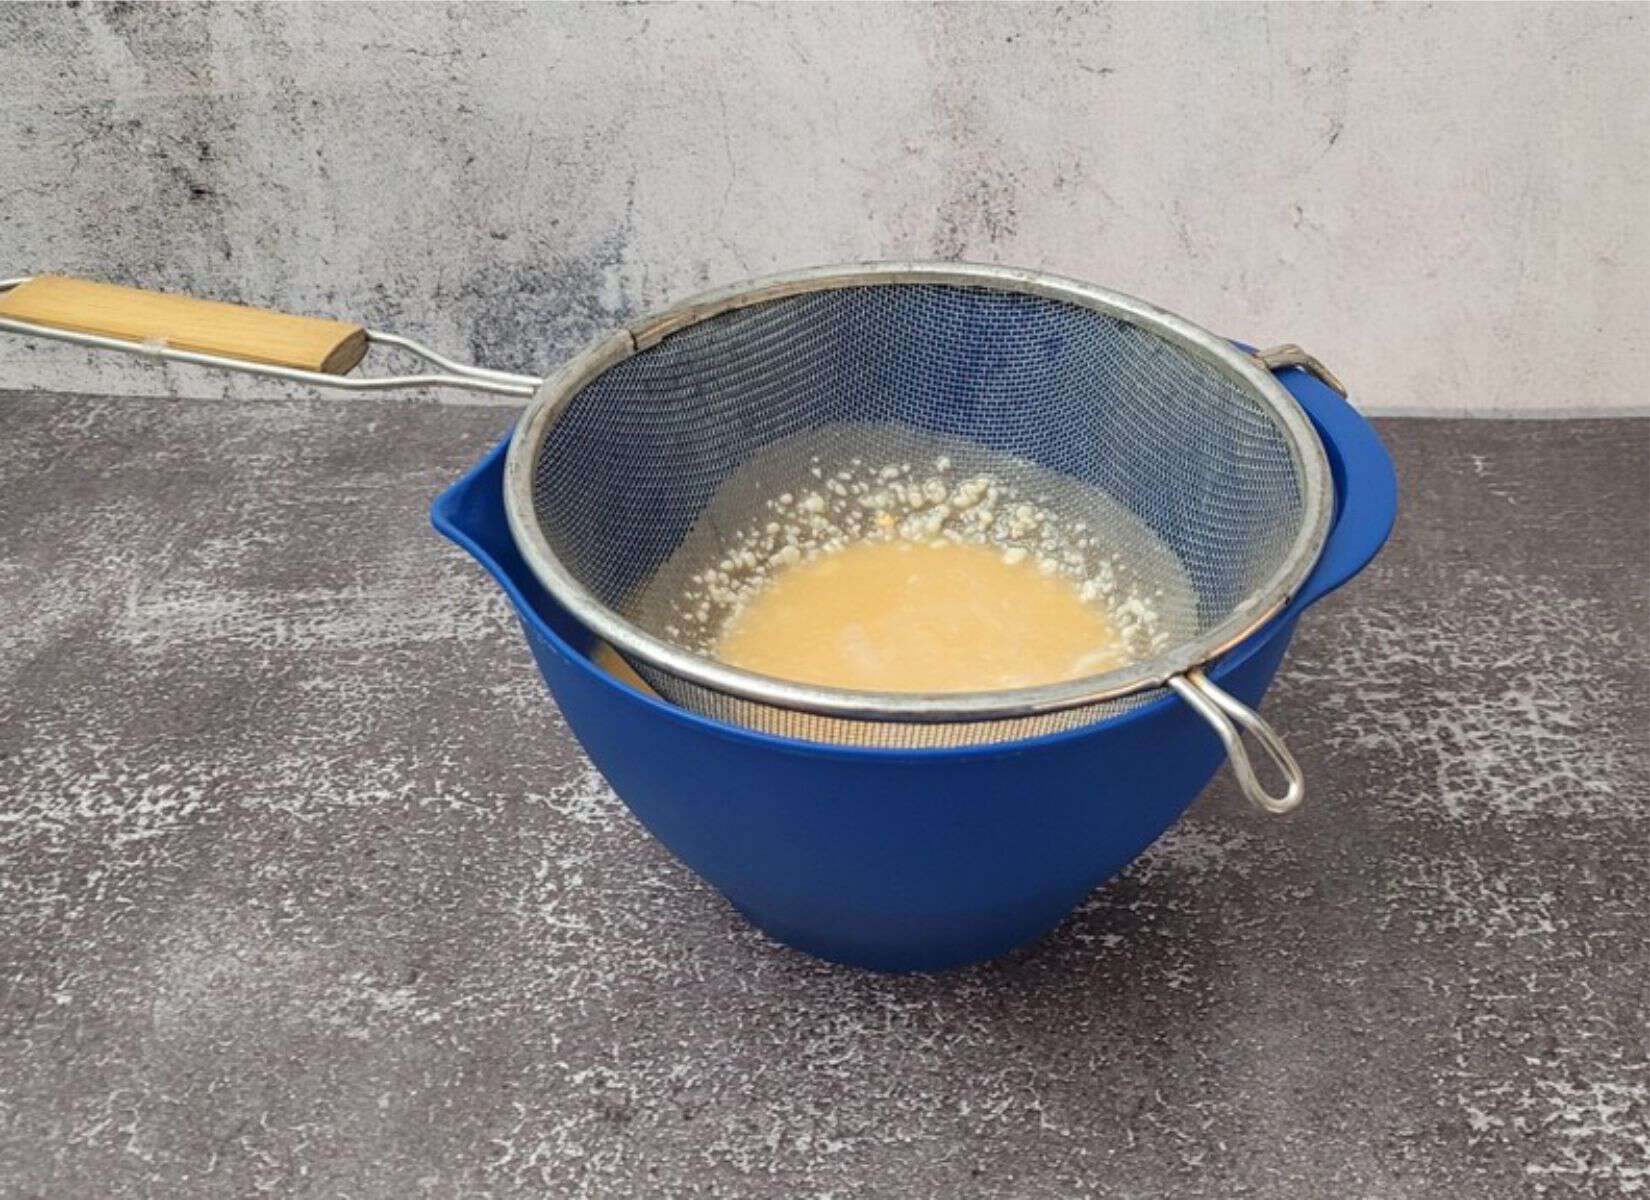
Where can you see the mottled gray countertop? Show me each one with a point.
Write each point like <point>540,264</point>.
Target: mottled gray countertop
<point>305,889</point>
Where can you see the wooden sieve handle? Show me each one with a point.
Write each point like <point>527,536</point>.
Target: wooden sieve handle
<point>185,323</point>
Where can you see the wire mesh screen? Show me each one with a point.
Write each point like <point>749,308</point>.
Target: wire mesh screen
<point>1188,473</point>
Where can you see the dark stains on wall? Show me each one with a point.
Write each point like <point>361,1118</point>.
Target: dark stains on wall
<point>129,216</point>
<point>142,151</point>
<point>531,316</point>
<point>979,207</point>
<point>979,211</point>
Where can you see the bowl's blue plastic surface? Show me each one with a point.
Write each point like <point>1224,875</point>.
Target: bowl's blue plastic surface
<point>905,860</point>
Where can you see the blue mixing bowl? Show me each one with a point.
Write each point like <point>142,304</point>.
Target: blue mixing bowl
<point>913,860</point>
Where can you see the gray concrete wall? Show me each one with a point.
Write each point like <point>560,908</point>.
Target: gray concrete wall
<point>1448,204</point>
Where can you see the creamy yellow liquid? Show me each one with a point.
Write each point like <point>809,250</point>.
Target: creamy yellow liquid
<point>909,617</point>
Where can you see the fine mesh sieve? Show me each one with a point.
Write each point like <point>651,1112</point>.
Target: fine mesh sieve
<point>1192,476</point>
<point>1205,479</point>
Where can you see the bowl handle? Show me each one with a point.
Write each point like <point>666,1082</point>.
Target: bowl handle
<point>1366,485</point>
<point>1366,494</point>
<point>1220,708</point>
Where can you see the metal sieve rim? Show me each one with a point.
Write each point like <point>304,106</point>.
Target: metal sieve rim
<point>555,393</point>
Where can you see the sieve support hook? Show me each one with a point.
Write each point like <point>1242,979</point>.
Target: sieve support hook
<point>1220,709</point>
<point>1276,358</point>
